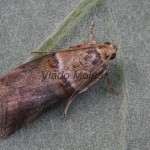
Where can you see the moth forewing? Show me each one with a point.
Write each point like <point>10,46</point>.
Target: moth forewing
<point>38,85</point>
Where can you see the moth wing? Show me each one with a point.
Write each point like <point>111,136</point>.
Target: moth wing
<point>24,94</point>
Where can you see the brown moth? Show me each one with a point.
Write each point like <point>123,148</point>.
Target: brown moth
<point>37,86</point>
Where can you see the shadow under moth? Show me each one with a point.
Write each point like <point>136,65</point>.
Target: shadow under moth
<point>40,84</point>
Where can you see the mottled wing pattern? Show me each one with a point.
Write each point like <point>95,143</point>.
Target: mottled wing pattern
<point>24,94</point>
<point>28,90</point>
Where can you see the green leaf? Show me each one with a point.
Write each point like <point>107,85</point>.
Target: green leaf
<point>68,24</point>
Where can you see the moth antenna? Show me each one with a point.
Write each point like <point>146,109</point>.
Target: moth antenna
<point>91,35</point>
<point>40,52</point>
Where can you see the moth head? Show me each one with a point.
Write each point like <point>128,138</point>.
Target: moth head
<point>110,50</point>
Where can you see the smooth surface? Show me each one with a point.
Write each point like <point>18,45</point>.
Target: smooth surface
<point>97,119</point>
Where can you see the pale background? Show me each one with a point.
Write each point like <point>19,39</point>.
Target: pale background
<point>97,119</point>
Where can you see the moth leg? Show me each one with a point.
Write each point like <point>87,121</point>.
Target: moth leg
<point>91,35</point>
<point>76,92</point>
<point>69,103</point>
<point>110,86</point>
<point>88,86</point>
<point>84,87</point>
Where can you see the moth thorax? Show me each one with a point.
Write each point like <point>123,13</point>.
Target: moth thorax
<point>104,53</point>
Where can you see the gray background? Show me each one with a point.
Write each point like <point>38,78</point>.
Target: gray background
<point>97,119</point>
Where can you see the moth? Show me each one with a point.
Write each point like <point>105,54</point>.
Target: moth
<point>40,84</point>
